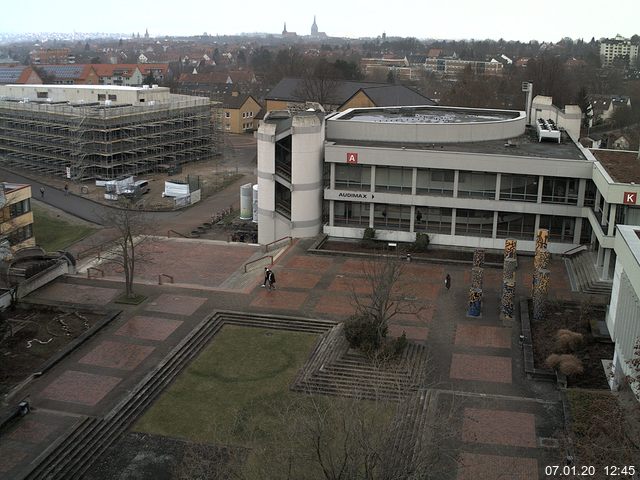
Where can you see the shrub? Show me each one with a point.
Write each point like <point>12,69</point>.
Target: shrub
<point>369,237</point>
<point>566,364</point>
<point>567,341</point>
<point>422,242</point>
<point>363,334</point>
<point>400,344</point>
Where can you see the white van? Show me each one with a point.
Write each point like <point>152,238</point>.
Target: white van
<point>136,189</point>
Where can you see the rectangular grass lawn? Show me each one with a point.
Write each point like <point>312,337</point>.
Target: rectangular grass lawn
<point>236,393</point>
<point>230,392</point>
<point>54,234</point>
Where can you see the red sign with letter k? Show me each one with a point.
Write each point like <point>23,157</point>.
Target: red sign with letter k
<point>630,198</point>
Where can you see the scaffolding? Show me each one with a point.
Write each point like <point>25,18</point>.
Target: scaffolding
<point>98,141</point>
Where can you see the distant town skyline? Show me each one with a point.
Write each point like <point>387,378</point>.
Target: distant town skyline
<point>455,19</point>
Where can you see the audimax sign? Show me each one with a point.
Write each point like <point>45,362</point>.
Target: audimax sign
<point>354,195</point>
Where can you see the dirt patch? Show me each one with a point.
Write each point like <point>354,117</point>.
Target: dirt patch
<point>577,318</point>
<point>34,334</point>
<point>404,248</point>
<point>140,456</point>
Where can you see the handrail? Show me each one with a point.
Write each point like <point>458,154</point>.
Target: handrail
<point>177,233</point>
<point>257,260</point>
<point>98,247</point>
<point>573,250</point>
<point>289,237</point>
<point>164,275</point>
<point>96,269</point>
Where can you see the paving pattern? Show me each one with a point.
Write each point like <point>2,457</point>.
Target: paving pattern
<point>497,434</point>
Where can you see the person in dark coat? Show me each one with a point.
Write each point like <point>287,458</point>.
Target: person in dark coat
<point>271,280</point>
<point>447,281</point>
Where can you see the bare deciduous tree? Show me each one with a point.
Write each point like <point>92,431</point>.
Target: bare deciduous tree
<point>384,300</point>
<point>354,439</point>
<point>131,227</point>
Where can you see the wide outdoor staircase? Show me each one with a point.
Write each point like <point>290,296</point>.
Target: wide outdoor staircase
<point>334,369</point>
<point>73,455</point>
<point>583,275</point>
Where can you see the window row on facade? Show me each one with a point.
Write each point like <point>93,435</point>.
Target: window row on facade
<point>468,222</point>
<point>470,184</point>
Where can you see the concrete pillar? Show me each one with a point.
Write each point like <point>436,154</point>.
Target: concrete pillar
<point>536,226</point>
<point>414,182</point>
<point>456,179</point>
<point>371,214</point>
<point>453,222</point>
<point>373,179</point>
<point>540,184</point>
<point>606,264</point>
<point>332,210</point>
<point>599,257</point>
<point>577,230</point>
<point>612,219</point>
<point>412,221</point>
<point>332,176</point>
<point>498,181</point>
<point>494,231</point>
<point>582,188</point>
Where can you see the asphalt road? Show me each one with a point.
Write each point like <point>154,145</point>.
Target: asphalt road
<point>74,204</point>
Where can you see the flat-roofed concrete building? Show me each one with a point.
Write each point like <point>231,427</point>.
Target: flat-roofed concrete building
<point>16,218</point>
<point>623,314</point>
<point>467,177</point>
<point>102,131</point>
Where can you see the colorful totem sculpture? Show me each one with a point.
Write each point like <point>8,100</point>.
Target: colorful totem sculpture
<point>475,302</point>
<point>508,279</point>
<point>540,291</point>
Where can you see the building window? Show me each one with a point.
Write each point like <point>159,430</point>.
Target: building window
<point>516,225</point>
<point>113,97</point>
<point>351,214</point>
<point>477,184</point>
<point>590,194</point>
<point>101,97</point>
<point>19,235</point>
<point>433,220</point>
<point>522,188</point>
<point>560,190</point>
<point>392,217</point>
<point>353,177</point>
<point>435,182</point>
<point>474,223</point>
<point>227,115</point>
<point>15,210</point>
<point>394,179</point>
<point>244,114</point>
<point>560,228</point>
<point>43,94</point>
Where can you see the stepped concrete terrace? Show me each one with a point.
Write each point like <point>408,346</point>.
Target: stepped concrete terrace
<point>474,365</point>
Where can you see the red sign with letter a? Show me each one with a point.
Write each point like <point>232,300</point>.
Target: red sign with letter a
<point>352,158</point>
<point>630,198</point>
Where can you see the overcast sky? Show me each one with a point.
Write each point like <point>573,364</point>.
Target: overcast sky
<point>548,20</point>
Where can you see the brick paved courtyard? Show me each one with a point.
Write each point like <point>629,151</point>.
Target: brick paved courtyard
<point>496,437</point>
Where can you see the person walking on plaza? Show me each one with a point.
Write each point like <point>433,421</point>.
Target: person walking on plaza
<point>41,192</point>
<point>66,189</point>
<point>269,279</point>
<point>447,281</point>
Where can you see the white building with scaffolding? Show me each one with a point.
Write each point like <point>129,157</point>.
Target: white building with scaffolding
<point>83,132</point>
